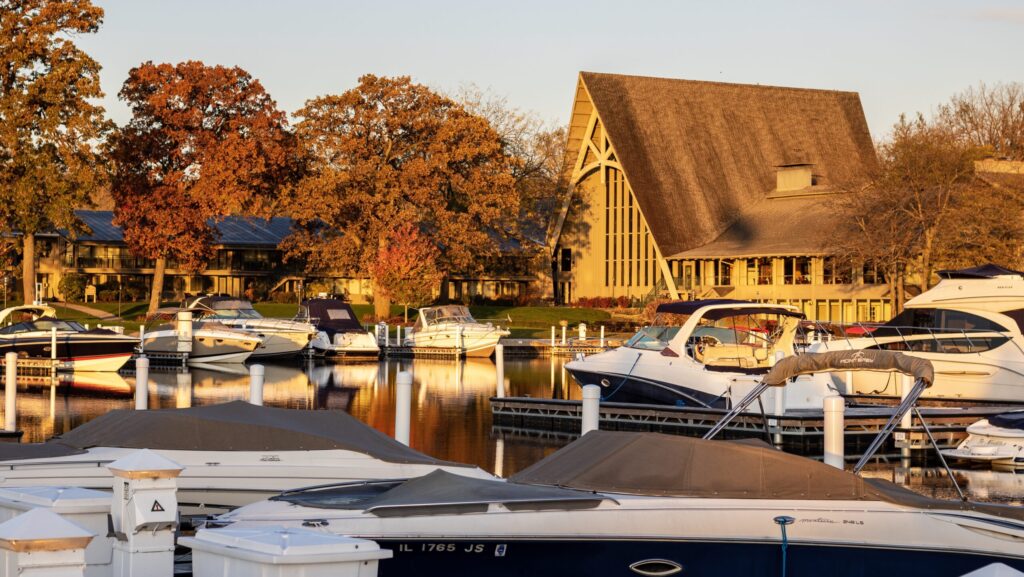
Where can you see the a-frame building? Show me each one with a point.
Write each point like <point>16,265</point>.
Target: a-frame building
<point>704,189</point>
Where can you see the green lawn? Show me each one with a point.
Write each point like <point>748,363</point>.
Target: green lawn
<point>524,322</point>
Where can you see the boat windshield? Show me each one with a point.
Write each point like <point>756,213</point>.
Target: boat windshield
<point>660,333</point>
<point>44,325</point>
<point>447,314</point>
<point>237,314</point>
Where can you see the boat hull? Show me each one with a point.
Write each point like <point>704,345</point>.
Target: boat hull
<point>76,353</point>
<point>362,345</point>
<point>637,389</point>
<point>206,347</point>
<point>585,558</point>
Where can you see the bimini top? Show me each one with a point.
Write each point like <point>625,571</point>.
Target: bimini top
<point>333,315</point>
<point>439,492</point>
<point>983,271</point>
<point>744,307</point>
<point>857,360</point>
<point>1014,420</point>
<point>234,426</point>
<point>669,465</point>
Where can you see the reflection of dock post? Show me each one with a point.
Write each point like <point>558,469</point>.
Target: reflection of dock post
<point>141,383</point>
<point>833,407</point>
<point>552,336</point>
<point>591,409</point>
<point>403,406</point>
<point>53,349</point>
<point>11,392</point>
<point>256,374</point>
<point>499,362</point>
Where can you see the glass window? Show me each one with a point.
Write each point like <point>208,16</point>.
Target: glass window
<point>565,263</point>
<point>946,345</point>
<point>836,273</point>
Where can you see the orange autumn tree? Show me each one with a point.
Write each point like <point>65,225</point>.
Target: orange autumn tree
<point>388,152</point>
<point>204,142</point>
<point>406,268</point>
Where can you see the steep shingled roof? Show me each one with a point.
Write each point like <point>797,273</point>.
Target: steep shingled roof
<point>697,154</point>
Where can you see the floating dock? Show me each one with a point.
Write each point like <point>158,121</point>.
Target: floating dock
<point>514,348</point>
<point>799,431</point>
<point>38,366</point>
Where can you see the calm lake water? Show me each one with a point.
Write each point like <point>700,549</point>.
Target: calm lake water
<point>451,409</point>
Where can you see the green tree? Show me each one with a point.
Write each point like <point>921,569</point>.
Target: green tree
<point>204,142</point>
<point>48,124</point>
<point>391,151</point>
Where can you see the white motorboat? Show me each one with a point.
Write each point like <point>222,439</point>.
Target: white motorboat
<point>621,503</point>
<point>29,331</point>
<point>699,353</point>
<point>453,327</point>
<point>204,342</point>
<point>234,453</point>
<point>339,333</point>
<point>281,337</point>
<point>969,326</point>
<point>998,440</point>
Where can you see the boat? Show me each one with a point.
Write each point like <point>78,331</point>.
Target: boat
<point>281,337</point>
<point>232,453</point>
<point>339,333</point>
<point>968,325</point>
<point>700,353</point>
<point>453,327</point>
<point>204,342</point>
<point>997,440</point>
<point>627,503</point>
<point>29,331</point>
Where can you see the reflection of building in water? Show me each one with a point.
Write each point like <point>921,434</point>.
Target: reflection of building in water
<point>336,384</point>
<point>284,386</point>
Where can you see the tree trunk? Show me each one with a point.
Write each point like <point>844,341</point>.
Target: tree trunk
<point>443,297</point>
<point>381,303</point>
<point>926,261</point>
<point>158,284</point>
<point>901,288</point>
<point>28,267</point>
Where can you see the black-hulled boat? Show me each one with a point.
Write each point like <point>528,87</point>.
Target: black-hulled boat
<point>78,348</point>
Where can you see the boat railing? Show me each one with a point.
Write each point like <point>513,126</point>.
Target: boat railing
<point>901,338</point>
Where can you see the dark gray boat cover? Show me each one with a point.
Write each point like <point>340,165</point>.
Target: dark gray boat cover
<point>859,360</point>
<point>1012,420</point>
<point>669,465</point>
<point>234,426</point>
<point>441,490</point>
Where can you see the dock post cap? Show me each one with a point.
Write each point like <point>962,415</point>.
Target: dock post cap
<point>41,529</point>
<point>145,464</point>
<point>994,570</point>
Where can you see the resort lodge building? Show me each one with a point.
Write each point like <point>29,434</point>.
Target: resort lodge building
<point>700,190</point>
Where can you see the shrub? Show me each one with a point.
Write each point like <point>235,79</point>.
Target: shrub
<point>284,297</point>
<point>72,287</point>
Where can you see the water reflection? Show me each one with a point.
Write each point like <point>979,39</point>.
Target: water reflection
<point>451,409</point>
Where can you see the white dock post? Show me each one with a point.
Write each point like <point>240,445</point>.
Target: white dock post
<point>11,393</point>
<point>141,383</point>
<point>552,336</point>
<point>907,421</point>
<point>387,336</point>
<point>256,375</point>
<point>144,514</point>
<point>499,364</point>
<point>142,339</point>
<point>591,409</point>
<point>780,404</point>
<point>602,336</point>
<point>403,406</point>
<point>834,407</point>
<point>44,544</point>
<point>583,332</point>
<point>53,348</point>
<point>563,335</point>
<point>183,328</point>
<point>849,383</point>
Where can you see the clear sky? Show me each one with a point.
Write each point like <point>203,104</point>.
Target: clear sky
<point>900,55</point>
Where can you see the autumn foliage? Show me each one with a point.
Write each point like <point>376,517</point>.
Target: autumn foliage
<point>406,267</point>
<point>204,142</point>
<point>390,152</point>
<point>48,121</point>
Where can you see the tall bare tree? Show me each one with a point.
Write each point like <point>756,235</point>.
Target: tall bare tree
<point>990,117</point>
<point>49,125</point>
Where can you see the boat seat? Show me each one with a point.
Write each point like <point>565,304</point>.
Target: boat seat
<point>743,356</point>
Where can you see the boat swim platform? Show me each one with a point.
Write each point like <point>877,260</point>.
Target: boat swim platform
<point>799,431</point>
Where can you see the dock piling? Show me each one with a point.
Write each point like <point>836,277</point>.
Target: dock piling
<point>905,387</point>
<point>602,336</point>
<point>583,332</point>
<point>141,383</point>
<point>403,406</point>
<point>256,374</point>
<point>41,543</point>
<point>53,346</point>
<point>499,363</point>
<point>591,409</point>
<point>834,408</point>
<point>11,392</point>
<point>563,335</point>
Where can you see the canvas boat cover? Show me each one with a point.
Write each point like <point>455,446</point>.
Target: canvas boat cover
<point>333,316</point>
<point>234,426</point>
<point>441,492</point>
<point>859,360</point>
<point>669,465</point>
<point>741,307</point>
<point>1014,420</point>
<point>983,271</point>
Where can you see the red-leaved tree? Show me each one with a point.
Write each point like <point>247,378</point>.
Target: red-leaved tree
<point>405,269</point>
<point>204,142</point>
